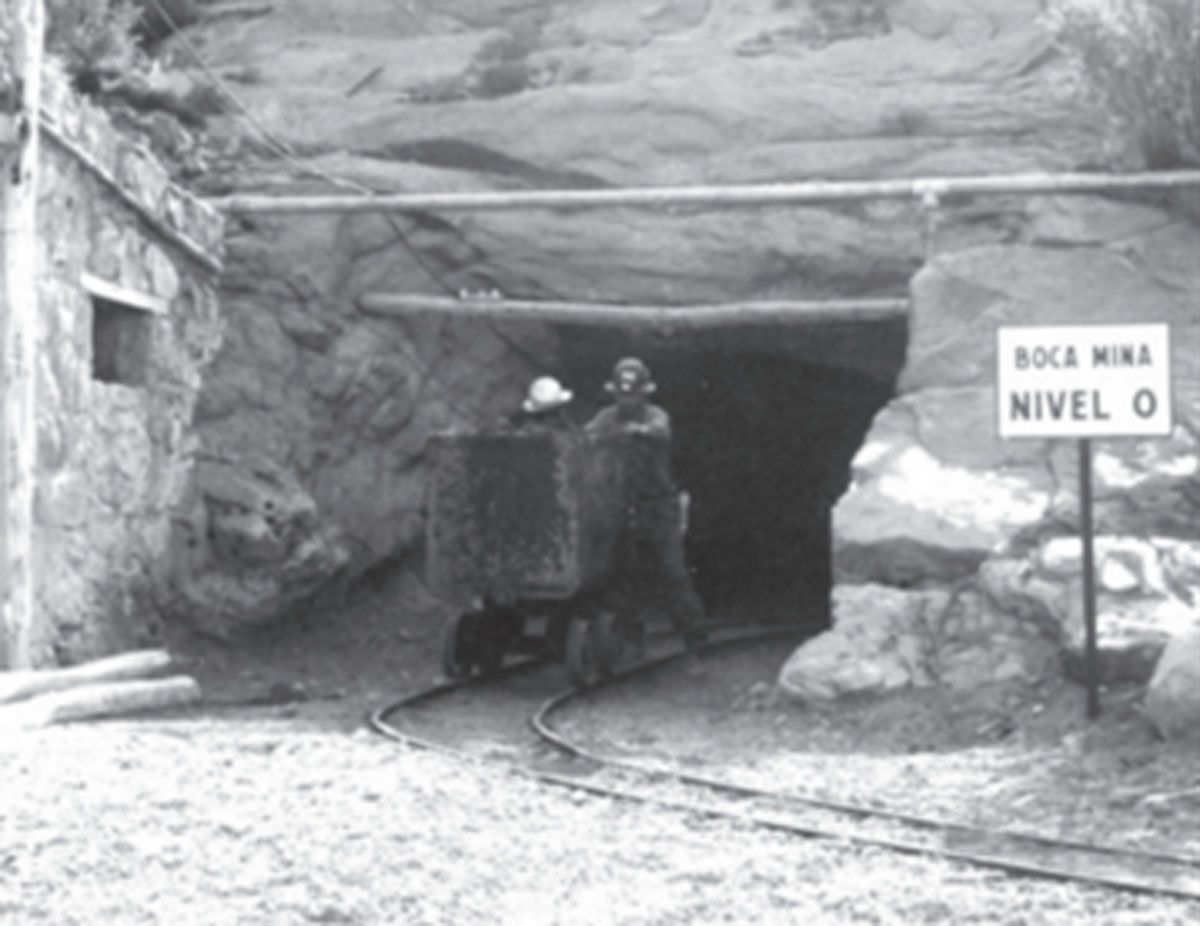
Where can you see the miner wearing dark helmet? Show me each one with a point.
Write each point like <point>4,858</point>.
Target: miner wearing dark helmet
<point>651,544</point>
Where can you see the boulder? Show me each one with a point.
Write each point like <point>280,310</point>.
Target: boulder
<point>881,641</point>
<point>937,501</point>
<point>248,546</point>
<point>1172,701</point>
<point>978,644</point>
<point>924,503</point>
<point>1145,594</point>
<point>1145,591</point>
<point>885,638</point>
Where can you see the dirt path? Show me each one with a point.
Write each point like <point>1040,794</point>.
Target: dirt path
<point>293,813</point>
<point>276,821</point>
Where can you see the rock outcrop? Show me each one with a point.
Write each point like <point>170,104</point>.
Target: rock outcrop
<point>592,94</point>
<point>1173,699</point>
<point>938,504</point>
<point>246,546</point>
<point>475,96</point>
<point>341,400</point>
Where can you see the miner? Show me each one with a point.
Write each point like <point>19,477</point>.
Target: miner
<point>544,407</point>
<point>651,542</point>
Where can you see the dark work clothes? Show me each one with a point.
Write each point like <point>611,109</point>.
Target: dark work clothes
<point>556,420</point>
<point>610,421</point>
<point>647,454</point>
<point>651,560</point>
<point>653,568</point>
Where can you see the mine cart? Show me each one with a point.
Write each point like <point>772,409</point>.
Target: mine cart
<point>522,532</point>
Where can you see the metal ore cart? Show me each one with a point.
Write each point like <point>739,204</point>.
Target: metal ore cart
<point>525,526</point>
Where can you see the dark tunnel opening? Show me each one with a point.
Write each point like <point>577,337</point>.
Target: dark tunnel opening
<point>766,421</point>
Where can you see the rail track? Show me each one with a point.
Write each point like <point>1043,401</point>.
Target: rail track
<point>535,747</point>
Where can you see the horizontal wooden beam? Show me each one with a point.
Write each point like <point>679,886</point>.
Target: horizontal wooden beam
<point>15,686</point>
<point>926,189</point>
<point>649,316</point>
<point>102,699</point>
<point>132,298</point>
<point>179,239</point>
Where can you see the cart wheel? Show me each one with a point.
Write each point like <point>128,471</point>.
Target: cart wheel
<point>582,658</point>
<point>458,645</point>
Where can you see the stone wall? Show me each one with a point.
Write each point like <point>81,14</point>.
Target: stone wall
<point>129,317</point>
<point>956,554</point>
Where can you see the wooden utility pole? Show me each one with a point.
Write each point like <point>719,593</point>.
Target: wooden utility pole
<point>19,327</point>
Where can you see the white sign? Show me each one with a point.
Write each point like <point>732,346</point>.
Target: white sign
<point>1084,381</point>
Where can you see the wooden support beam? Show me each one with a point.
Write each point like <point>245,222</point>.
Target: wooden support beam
<point>103,699</point>
<point>928,190</point>
<point>19,334</point>
<point>154,223</point>
<point>648,316</point>
<point>16,686</point>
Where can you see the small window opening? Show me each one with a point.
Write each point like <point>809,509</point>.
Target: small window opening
<point>120,342</point>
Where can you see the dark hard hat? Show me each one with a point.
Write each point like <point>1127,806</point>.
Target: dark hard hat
<point>630,375</point>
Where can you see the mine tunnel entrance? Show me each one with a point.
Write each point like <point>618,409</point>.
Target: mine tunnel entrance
<point>766,421</point>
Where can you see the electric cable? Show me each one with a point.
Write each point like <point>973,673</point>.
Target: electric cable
<point>288,153</point>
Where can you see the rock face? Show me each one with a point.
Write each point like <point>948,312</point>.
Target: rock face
<point>246,544</point>
<point>1173,699</point>
<point>479,96</point>
<point>937,503</point>
<point>592,94</point>
<point>656,94</point>
<point>341,402</point>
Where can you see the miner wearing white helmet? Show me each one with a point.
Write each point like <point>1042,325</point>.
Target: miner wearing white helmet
<point>652,532</point>
<point>544,406</point>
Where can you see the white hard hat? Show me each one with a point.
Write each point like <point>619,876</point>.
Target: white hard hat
<point>545,394</point>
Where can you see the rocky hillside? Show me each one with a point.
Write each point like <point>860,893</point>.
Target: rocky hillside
<point>957,554</point>
<point>466,94</point>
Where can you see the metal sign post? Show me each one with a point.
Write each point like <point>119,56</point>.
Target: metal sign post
<point>1084,381</point>
<point>1087,535</point>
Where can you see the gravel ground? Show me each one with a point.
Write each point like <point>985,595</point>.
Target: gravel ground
<point>293,813</point>
<point>1007,756</point>
<point>259,820</point>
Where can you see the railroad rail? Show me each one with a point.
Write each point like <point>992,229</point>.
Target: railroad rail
<point>1016,853</point>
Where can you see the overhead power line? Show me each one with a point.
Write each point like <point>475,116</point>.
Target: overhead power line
<point>285,151</point>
